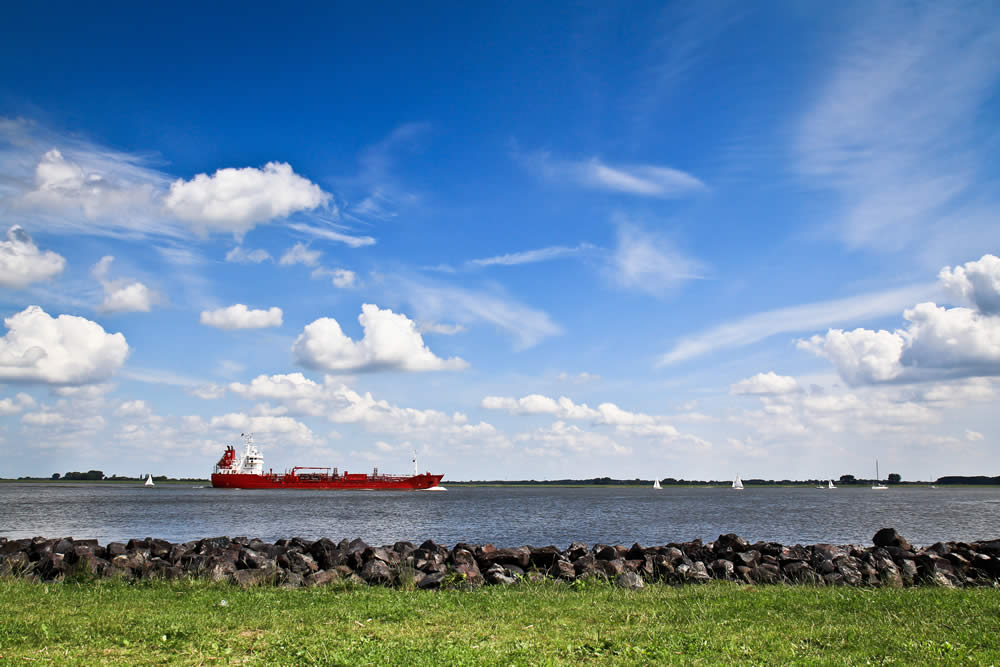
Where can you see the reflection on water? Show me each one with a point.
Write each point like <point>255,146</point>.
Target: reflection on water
<point>508,516</point>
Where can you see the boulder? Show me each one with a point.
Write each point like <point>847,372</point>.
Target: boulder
<point>888,537</point>
<point>431,581</point>
<point>562,569</point>
<point>732,542</point>
<point>629,580</point>
<point>320,577</point>
<point>377,571</point>
<point>251,577</point>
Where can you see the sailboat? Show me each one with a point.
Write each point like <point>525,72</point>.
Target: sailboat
<point>738,483</point>
<point>656,484</point>
<point>831,485</point>
<point>149,481</point>
<point>878,486</point>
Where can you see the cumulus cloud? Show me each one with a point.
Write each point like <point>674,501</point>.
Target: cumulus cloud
<point>12,406</point>
<point>562,438</point>
<point>340,404</point>
<point>341,278</point>
<point>122,296</point>
<point>238,316</point>
<point>975,283</point>
<point>22,263</point>
<point>973,436</point>
<point>241,255</point>
<point>300,254</point>
<point>936,343</point>
<point>605,414</point>
<point>62,350</point>
<point>766,383</point>
<point>391,342</point>
<point>208,392</point>
<point>235,200</point>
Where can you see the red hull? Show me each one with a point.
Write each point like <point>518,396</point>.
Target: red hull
<point>357,482</point>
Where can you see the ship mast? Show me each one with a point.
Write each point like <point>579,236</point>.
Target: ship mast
<point>415,473</point>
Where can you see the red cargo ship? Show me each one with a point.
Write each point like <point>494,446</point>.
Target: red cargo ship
<point>247,472</point>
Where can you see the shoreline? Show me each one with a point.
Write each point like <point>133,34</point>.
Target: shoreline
<point>891,561</point>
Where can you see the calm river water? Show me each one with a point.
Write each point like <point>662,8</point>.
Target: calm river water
<point>505,516</point>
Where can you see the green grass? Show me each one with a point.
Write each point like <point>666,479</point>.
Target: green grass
<point>547,623</point>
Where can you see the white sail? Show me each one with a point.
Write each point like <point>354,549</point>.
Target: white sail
<point>738,483</point>
<point>878,486</point>
<point>149,481</point>
<point>656,484</point>
<point>831,485</point>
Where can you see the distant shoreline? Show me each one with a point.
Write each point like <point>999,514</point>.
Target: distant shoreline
<point>581,483</point>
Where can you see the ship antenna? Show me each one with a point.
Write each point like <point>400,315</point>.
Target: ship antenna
<point>415,473</point>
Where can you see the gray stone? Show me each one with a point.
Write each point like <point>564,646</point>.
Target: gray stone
<point>629,580</point>
<point>377,571</point>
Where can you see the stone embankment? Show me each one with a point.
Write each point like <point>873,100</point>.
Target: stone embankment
<point>295,562</point>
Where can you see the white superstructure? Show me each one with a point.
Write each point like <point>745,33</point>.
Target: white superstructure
<point>250,463</point>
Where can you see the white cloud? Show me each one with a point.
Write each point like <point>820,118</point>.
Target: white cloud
<point>530,256</point>
<point>62,350</point>
<point>936,343</point>
<point>235,200</point>
<point>560,438</point>
<point>300,254</point>
<point>804,317</point>
<point>241,255</point>
<point>22,263</point>
<point>92,189</point>
<point>136,409</point>
<point>391,342</point>
<point>12,406</point>
<point>238,316</point>
<point>650,264</point>
<point>901,159</point>
<point>976,283</point>
<point>466,306</point>
<point>208,392</point>
<point>644,180</point>
<point>440,328</point>
<point>766,383</point>
<point>861,356</point>
<point>606,414</point>
<point>341,278</point>
<point>122,296</point>
<point>973,436</point>
<point>290,430</point>
<point>340,404</point>
<point>332,235</point>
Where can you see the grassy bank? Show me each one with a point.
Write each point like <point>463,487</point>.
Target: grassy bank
<point>549,623</point>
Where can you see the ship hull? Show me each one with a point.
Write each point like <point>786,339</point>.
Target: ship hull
<point>325,482</point>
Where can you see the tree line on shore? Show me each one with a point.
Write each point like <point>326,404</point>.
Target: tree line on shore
<point>843,480</point>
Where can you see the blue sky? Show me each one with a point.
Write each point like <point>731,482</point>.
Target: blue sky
<point>580,240</point>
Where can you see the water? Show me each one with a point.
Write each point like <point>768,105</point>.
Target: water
<point>505,516</point>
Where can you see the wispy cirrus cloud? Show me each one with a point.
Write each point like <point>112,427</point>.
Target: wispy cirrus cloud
<point>793,319</point>
<point>643,180</point>
<point>466,307</point>
<point>897,132</point>
<point>648,262</point>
